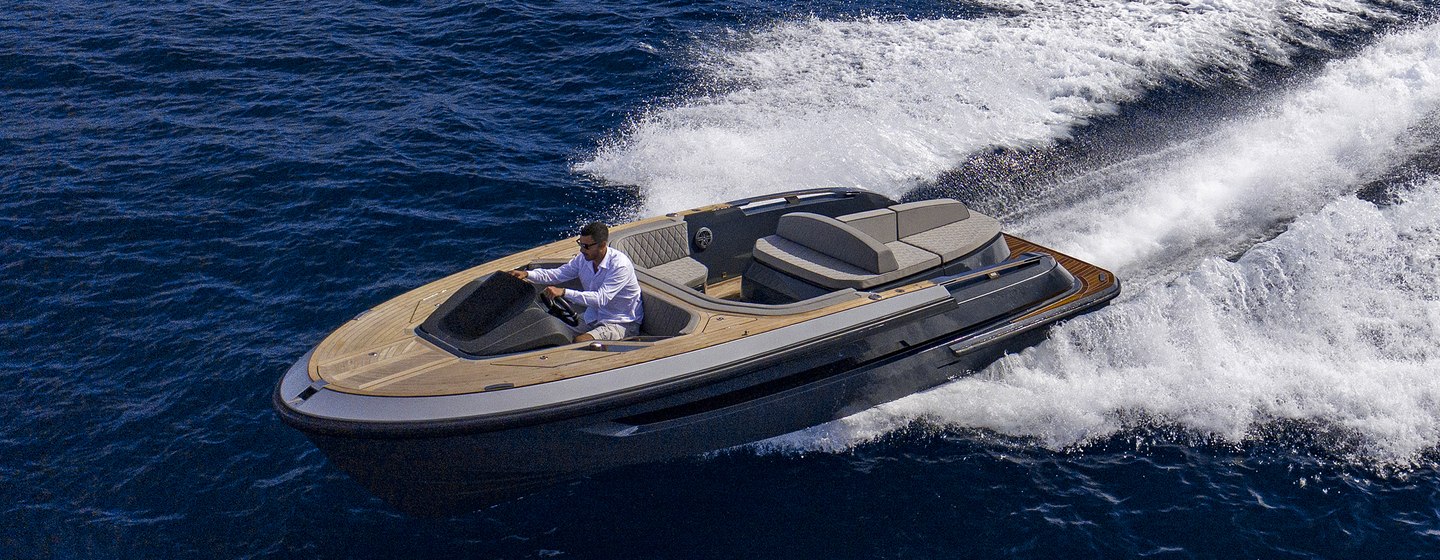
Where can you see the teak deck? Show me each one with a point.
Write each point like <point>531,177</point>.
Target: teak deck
<point>378,353</point>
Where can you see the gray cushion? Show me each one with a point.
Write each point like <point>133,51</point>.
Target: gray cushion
<point>823,270</point>
<point>835,239</point>
<point>663,248</point>
<point>912,259</point>
<point>663,318</point>
<point>915,217</point>
<point>957,239</point>
<point>653,244</point>
<point>878,223</point>
<point>684,271</point>
<point>808,264</point>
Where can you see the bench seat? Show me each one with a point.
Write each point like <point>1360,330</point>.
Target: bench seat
<point>957,239</point>
<point>863,250</point>
<point>829,253</point>
<point>662,248</point>
<point>824,270</point>
<point>943,226</point>
<point>684,271</point>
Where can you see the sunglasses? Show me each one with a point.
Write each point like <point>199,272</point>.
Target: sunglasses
<point>587,246</point>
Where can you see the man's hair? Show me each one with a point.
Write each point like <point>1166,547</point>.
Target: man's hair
<point>597,231</point>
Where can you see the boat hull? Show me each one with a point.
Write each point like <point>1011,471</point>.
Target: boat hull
<point>430,468</point>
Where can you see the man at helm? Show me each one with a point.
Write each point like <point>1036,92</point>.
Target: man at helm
<point>611,293</point>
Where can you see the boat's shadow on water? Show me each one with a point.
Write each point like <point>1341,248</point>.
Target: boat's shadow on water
<point>965,489</point>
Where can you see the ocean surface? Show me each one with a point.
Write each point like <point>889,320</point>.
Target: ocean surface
<point>195,192</point>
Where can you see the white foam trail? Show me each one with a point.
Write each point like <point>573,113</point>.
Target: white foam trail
<point>882,103</point>
<point>1349,125</point>
<point>1334,321</point>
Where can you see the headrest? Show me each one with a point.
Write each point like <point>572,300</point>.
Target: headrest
<point>837,239</point>
<point>915,217</point>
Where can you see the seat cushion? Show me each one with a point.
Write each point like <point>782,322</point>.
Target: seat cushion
<point>957,239</point>
<point>837,240</point>
<point>663,248</point>
<point>653,244</point>
<point>878,223</point>
<point>823,270</point>
<point>915,217</point>
<point>684,271</point>
<point>912,259</point>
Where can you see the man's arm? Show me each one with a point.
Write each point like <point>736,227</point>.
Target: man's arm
<point>614,282</point>
<point>566,272</point>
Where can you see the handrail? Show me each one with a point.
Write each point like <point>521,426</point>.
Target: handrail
<point>801,192</point>
<point>1026,259</point>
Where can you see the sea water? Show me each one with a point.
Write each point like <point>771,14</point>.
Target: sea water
<point>197,192</point>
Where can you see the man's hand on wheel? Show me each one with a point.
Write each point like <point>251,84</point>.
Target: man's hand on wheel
<point>553,292</point>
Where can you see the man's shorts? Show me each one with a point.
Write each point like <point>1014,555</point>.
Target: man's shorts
<point>611,331</point>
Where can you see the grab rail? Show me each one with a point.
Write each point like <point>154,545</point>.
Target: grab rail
<point>788,195</point>
<point>1026,259</point>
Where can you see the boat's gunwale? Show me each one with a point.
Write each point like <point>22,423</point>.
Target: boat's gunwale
<point>1098,287</point>
<point>332,348</point>
<point>620,386</point>
<point>402,363</point>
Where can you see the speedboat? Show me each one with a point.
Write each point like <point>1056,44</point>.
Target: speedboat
<point>762,316</point>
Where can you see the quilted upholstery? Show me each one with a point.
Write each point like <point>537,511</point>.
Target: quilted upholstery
<point>684,271</point>
<point>957,239</point>
<point>878,223</point>
<point>654,244</point>
<point>820,269</point>
<point>663,248</point>
<point>838,240</point>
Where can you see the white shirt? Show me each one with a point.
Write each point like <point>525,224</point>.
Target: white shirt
<point>612,294</point>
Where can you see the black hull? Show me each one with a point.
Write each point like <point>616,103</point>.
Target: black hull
<point>428,468</point>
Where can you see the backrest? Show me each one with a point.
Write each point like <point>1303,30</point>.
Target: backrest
<point>663,318</point>
<point>837,239</point>
<point>915,217</point>
<point>878,223</point>
<point>653,244</point>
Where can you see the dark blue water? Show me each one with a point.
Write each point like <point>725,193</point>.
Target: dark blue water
<point>195,193</point>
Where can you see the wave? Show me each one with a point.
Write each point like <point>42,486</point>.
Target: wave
<point>1333,322</point>
<point>1328,325</point>
<point>1353,123</point>
<point>886,104</point>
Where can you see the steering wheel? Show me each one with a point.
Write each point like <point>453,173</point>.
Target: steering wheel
<point>561,309</point>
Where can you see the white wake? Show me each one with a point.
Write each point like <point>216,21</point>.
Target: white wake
<point>1333,322</point>
<point>882,104</point>
<point>1349,125</point>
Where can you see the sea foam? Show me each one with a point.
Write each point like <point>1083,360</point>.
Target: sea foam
<point>1355,121</point>
<point>1333,322</point>
<point>885,103</point>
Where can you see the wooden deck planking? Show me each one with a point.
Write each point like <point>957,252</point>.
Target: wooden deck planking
<point>377,353</point>
<point>725,289</point>
<point>1093,278</point>
<point>392,321</point>
<point>459,376</point>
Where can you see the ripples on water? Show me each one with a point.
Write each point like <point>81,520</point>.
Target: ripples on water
<point>197,192</point>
